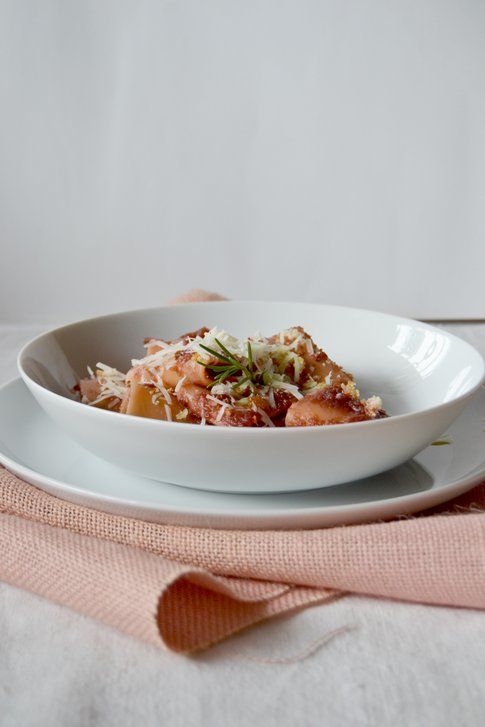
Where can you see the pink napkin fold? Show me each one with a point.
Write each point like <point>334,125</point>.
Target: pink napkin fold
<point>187,588</point>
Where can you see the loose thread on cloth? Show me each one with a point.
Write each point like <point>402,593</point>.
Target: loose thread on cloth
<point>308,651</point>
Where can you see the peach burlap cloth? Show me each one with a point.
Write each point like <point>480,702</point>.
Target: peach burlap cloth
<point>187,588</point>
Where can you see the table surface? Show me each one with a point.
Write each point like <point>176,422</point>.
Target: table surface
<point>398,664</point>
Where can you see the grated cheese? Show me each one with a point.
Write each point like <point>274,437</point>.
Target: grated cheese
<point>112,383</point>
<point>372,405</point>
<point>271,398</point>
<point>264,417</point>
<point>179,384</point>
<point>350,389</point>
<point>220,413</point>
<point>215,400</point>
<point>291,388</point>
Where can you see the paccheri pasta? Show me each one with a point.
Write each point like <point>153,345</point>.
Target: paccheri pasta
<point>210,377</point>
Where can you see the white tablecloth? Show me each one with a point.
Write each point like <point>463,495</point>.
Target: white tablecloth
<point>399,664</point>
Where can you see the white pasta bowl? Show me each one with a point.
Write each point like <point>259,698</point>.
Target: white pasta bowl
<point>424,375</point>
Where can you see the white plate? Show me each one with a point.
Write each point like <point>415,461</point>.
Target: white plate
<point>425,376</point>
<point>32,447</point>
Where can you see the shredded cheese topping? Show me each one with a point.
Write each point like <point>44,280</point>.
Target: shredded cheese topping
<point>277,362</point>
<point>112,382</point>
<point>280,366</point>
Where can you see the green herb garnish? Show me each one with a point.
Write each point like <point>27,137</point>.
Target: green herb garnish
<point>230,365</point>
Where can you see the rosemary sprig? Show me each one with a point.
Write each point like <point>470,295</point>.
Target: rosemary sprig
<point>230,366</point>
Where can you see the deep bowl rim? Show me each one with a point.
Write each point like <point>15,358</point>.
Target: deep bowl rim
<point>245,431</point>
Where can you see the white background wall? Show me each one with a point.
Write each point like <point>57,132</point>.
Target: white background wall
<point>321,150</point>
